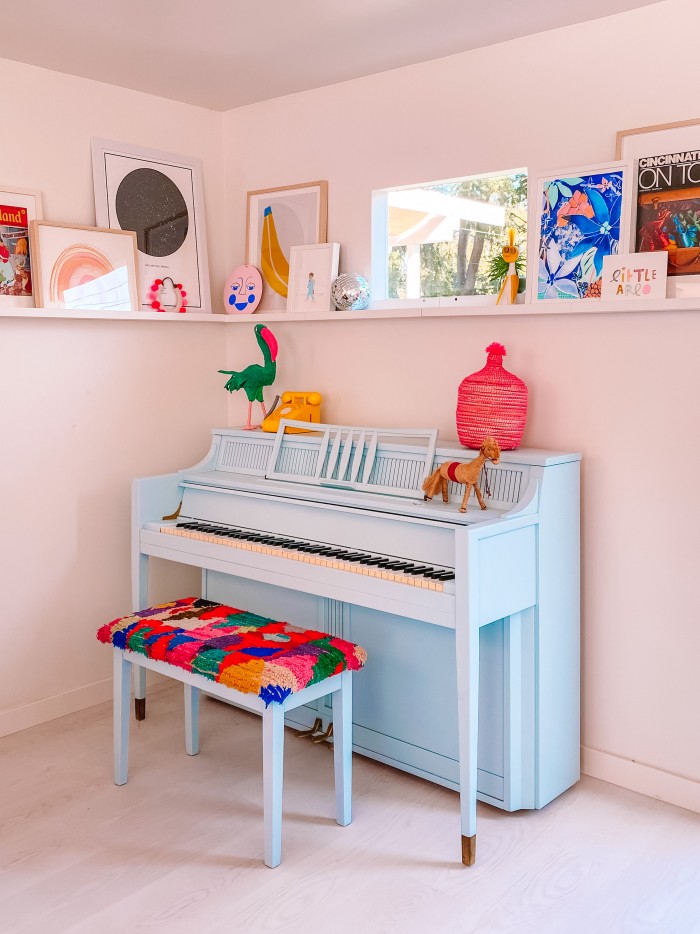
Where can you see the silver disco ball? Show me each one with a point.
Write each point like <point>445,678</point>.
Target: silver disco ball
<point>350,292</point>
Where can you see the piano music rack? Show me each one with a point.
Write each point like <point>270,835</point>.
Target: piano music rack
<point>353,458</point>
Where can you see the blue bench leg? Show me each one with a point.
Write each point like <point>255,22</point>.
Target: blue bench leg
<point>342,749</point>
<point>191,720</point>
<point>273,770</point>
<point>122,695</point>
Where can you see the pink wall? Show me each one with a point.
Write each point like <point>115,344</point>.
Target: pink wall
<point>87,405</point>
<point>619,388</point>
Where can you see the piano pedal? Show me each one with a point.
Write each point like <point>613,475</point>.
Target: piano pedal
<point>316,728</point>
<point>324,737</point>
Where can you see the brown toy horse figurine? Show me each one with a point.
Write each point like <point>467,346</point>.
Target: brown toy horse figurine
<point>468,474</point>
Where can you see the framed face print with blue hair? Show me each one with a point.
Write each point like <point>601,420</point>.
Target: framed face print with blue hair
<point>577,218</point>
<point>243,290</point>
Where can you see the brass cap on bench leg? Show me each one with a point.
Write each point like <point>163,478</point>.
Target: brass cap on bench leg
<point>469,850</point>
<point>140,708</point>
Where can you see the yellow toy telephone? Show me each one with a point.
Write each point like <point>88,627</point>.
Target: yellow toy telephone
<point>299,406</point>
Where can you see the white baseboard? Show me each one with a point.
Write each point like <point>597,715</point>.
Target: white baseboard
<point>60,705</point>
<point>646,779</point>
<point>50,708</point>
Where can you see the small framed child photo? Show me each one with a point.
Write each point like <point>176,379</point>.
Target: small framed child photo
<point>312,269</point>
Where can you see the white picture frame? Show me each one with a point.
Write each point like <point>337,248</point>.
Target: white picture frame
<point>312,269</point>
<point>18,208</point>
<point>160,196</point>
<point>661,140</point>
<point>571,282</point>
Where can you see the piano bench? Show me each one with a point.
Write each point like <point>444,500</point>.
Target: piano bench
<point>260,664</point>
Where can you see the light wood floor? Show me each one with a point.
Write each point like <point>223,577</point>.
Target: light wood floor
<point>179,848</point>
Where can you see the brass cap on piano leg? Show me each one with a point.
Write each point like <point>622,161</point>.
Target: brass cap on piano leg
<point>469,850</point>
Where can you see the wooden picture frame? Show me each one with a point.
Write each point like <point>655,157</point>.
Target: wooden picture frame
<point>622,136</point>
<point>84,268</point>
<point>666,203</point>
<point>278,219</point>
<point>159,195</point>
<point>18,208</point>
<point>312,269</point>
<point>576,216</point>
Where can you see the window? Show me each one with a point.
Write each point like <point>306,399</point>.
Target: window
<point>440,239</point>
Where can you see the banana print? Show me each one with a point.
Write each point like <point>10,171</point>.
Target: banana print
<point>273,262</point>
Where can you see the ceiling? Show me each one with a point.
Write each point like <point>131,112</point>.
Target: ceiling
<point>222,54</point>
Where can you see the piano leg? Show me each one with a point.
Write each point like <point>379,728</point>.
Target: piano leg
<point>469,850</point>
<point>139,599</point>
<point>467,657</point>
<point>139,693</point>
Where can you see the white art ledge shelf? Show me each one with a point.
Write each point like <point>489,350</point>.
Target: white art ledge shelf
<point>109,315</point>
<point>491,310</point>
<point>370,314</point>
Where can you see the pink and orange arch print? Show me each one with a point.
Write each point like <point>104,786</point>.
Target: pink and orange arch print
<point>77,265</point>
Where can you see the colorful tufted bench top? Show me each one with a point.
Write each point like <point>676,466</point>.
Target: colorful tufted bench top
<point>243,651</point>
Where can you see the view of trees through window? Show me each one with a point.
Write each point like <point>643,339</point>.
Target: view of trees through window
<point>443,238</point>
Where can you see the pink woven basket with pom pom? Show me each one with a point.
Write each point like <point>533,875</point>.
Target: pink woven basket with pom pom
<point>492,402</point>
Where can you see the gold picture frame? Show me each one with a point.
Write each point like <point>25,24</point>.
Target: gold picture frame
<point>621,135</point>
<point>278,219</point>
<point>84,268</point>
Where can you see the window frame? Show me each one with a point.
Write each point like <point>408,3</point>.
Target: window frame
<point>379,241</point>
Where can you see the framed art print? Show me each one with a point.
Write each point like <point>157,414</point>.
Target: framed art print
<point>159,196</point>
<point>18,208</point>
<point>277,220</point>
<point>312,270</point>
<point>84,268</point>
<point>577,217</point>
<point>666,204</point>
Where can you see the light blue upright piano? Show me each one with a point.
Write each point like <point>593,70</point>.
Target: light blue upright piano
<point>473,672</point>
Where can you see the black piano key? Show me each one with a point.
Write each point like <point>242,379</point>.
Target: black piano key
<point>442,575</point>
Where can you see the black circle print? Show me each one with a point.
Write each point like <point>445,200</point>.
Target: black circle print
<point>151,204</point>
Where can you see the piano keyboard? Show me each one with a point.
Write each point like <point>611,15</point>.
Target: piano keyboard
<point>384,567</point>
